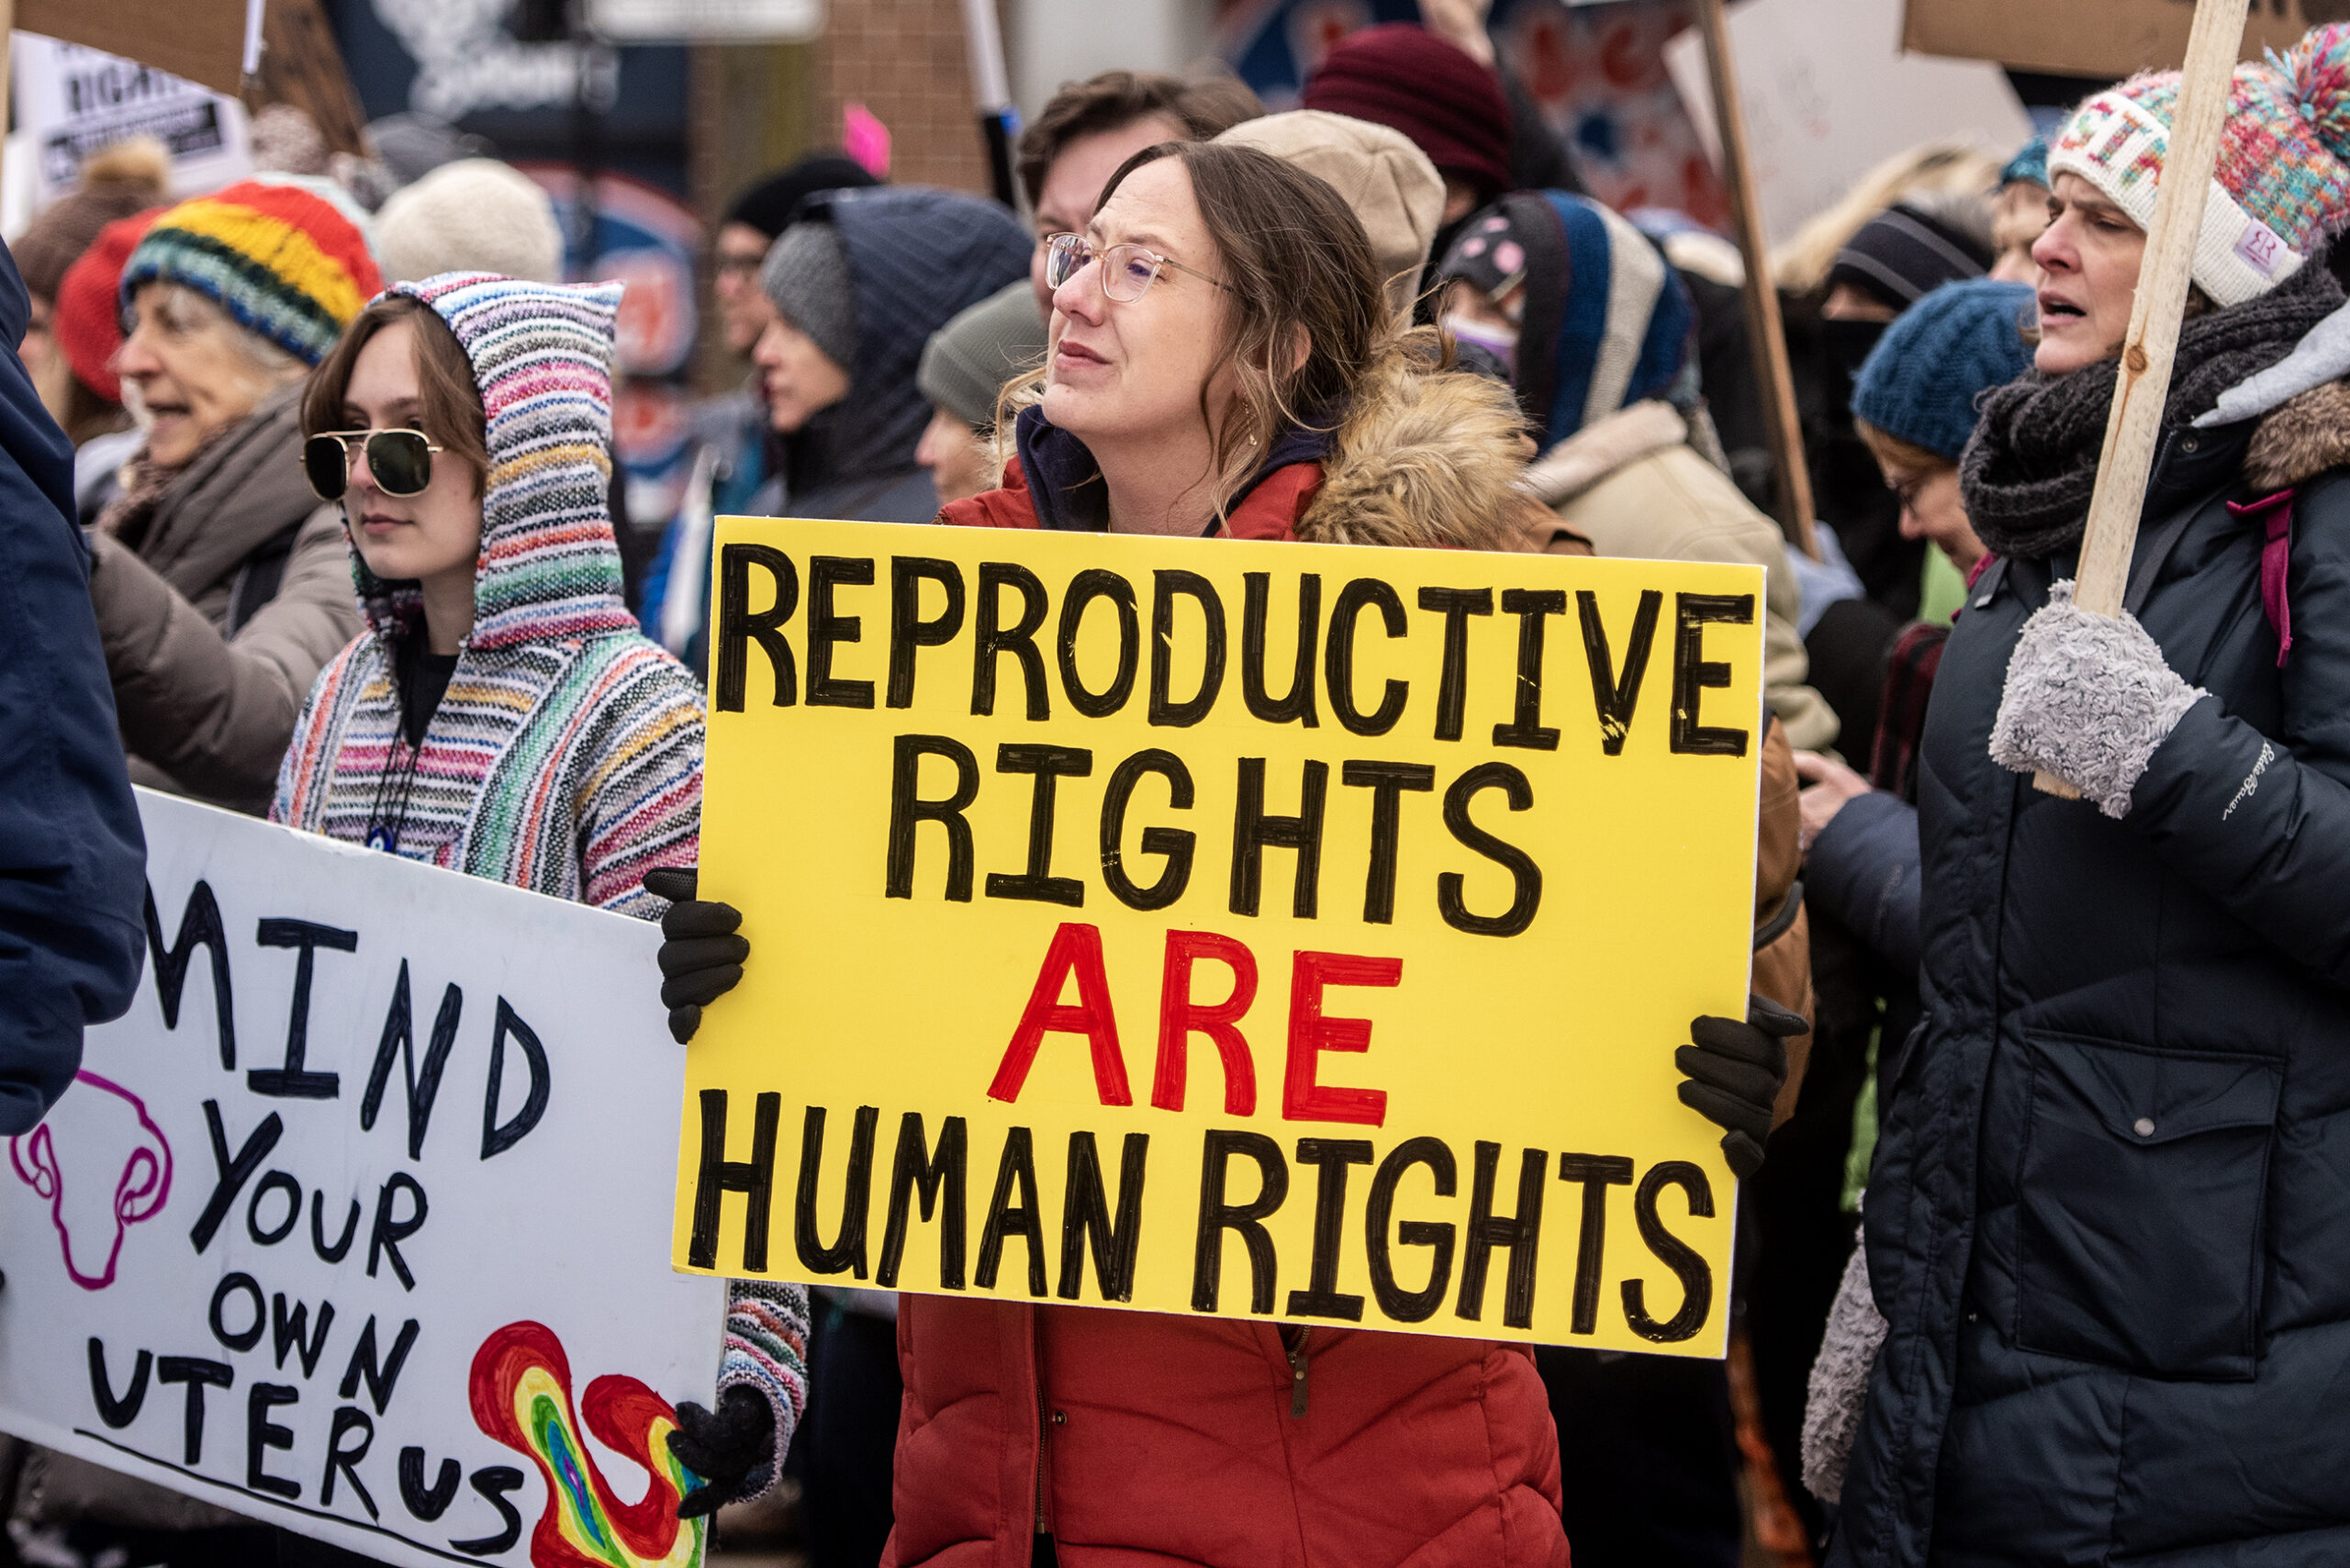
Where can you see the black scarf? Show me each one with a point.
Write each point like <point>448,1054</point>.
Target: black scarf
<point>2029,472</point>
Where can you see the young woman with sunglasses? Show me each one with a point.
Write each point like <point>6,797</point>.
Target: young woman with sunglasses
<point>501,715</point>
<point>1222,364</point>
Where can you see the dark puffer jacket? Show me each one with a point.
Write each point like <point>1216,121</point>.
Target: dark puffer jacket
<point>2110,1217</point>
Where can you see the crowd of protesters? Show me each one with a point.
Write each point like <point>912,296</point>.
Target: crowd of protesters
<point>2036,1105</point>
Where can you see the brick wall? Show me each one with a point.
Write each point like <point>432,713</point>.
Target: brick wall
<point>903,59</point>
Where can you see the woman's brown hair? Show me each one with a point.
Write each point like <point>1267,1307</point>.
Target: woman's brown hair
<point>450,414</point>
<point>1296,267</point>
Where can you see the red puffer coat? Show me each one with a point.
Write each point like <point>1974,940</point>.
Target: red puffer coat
<point>1139,1437</point>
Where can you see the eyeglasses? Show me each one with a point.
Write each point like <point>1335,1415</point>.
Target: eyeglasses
<point>1127,271</point>
<point>401,462</point>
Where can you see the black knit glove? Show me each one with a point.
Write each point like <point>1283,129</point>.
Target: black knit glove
<point>725,1447</point>
<point>701,959</point>
<point>1734,1074</point>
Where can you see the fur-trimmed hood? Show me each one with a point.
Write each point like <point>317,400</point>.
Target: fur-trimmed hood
<point>2301,438</point>
<point>1425,458</point>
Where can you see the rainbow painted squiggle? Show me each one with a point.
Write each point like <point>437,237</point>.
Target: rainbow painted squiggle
<point>522,1396</point>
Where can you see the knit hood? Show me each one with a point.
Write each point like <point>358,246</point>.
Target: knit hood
<point>916,258</point>
<point>1607,321</point>
<point>549,566</point>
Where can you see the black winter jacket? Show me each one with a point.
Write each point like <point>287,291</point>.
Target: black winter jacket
<point>2109,1214</point>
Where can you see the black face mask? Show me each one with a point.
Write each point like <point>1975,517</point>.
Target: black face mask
<point>1843,347</point>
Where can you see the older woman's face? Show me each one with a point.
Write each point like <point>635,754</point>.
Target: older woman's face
<point>1121,372</point>
<point>2088,260</point>
<point>192,369</point>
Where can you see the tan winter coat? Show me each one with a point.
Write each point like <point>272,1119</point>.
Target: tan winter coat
<point>1634,486</point>
<point>207,681</point>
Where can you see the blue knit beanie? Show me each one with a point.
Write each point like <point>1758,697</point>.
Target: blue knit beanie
<point>1920,383</point>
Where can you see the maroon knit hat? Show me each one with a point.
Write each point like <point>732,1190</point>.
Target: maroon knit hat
<point>1403,76</point>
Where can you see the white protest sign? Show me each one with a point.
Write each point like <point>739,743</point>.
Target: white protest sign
<point>358,1222</point>
<point>1829,95</point>
<point>72,101</point>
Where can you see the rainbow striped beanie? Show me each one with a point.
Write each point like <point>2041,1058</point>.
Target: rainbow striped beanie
<point>2281,189</point>
<point>286,262</point>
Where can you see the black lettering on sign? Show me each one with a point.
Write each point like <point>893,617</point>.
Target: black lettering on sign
<point>1532,607</point>
<point>294,1081</point>
<point>717,1176</point>
<point>286,1330</point>
<point>1520,1236</point>
<point>908,809</point>
<point>908,631</point>
<point>262,1434</point>
<point>231,1174</point>
<point>199,926</point>
<point>1386,781</point>
<point>1399,1304</point>
<point>1253,831</point>
<point>1049,765</point>
<point>1688,1267</point>
<point>1456,605</point>
<point>427,1502</point>
<point>492,1482</point>
<point>244,1339</point>
<point>282,1183</point>
<point>991,639</point>
<point>1218,1215</point>
<point>347,1419</point>
<point>738,627</point>
<point>936,1181</point>
<point>1597,1172</point>
<point>1168,587</point>
<point>846,1253</point>
<point>1085,1218</point>
<point>330,1254</point>
<point>382,1377</point>
<point>1526,877</point>
<point>1321,1297</point>
<point>424,1083</point>
<point>390,1230</point>
<point>496,1139</point>
<point>1338,656</point>
<point>1015,1175</point>
<point>1175,844</point>
<point>1693,674</point>
<point>198,1374</point>
<point>1083,589</point>
<point>1296,705</point>
<point>117,1412</point>
<point>827,629</point>
<point>1616,696</point>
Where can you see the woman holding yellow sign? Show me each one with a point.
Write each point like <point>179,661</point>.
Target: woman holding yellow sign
<point>1221,365</point>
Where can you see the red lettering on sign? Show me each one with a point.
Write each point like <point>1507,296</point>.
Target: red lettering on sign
<point>1180,1017</point>
<point>1076,949</point>
<point>1311,1034</point>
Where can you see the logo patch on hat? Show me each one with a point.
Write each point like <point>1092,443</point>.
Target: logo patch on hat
<point>2261,248</point>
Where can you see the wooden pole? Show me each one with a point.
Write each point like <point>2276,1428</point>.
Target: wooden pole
<point>1765,335</point>
<point>7,58</point>
<point>2134,426</point>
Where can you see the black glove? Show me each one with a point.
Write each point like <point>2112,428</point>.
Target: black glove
<point>701,959</point>
<point>1735,1072</point>
<point>724,1445</point>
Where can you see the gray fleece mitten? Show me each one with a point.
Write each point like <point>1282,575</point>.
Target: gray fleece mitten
<point>1840,1381</point>
<point>2087,699</point>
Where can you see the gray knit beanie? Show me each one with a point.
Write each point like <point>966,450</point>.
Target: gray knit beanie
<point>806,276</point>
<point>967,361</point>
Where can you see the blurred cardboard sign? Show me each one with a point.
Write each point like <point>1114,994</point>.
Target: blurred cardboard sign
<point>203,41</point>
<point>2111,39</point>
<point>1829,95</point>
<point>716,21</point>
<point>73,101</point>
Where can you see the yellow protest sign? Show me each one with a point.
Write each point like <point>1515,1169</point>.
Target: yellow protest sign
<point>1224,927</point>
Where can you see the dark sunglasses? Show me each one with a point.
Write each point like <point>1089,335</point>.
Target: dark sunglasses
<point>401,462</point>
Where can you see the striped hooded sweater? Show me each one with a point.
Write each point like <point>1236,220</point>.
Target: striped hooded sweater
<point>565,757</point>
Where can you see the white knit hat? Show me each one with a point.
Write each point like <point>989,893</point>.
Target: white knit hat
<point>475,215</point>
